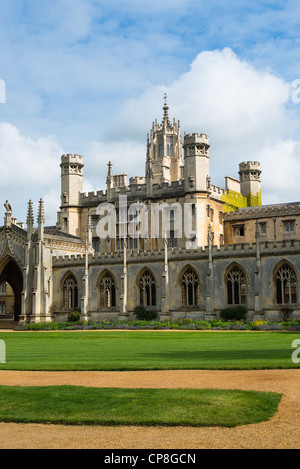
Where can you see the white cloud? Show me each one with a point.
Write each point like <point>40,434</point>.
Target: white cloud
<point>242,109</point>
<point>29,169</point>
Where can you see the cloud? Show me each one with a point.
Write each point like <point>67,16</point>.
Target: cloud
<point>29,169</point>
<point>245,111</point>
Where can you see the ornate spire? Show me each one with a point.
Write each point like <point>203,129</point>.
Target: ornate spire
<point>166,120</point>
<point>41,215</point>
<point>30,218</point>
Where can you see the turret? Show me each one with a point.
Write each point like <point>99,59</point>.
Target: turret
<point>71,187</point>
<point>196,162</point>
<point>250,182</point>
<point>71,179</point>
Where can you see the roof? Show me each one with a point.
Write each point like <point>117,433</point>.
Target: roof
<point>264,211</point>
<point>54,231</point>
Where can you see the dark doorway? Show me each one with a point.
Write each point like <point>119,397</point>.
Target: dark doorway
<point>12,274</point>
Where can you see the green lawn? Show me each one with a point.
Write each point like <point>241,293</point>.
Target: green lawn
<point>75,405</point>
<point>140,350</point>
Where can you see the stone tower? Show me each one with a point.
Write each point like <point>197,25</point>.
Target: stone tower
<point>164,150</point>
<point>196,162</point>
<point>71,187</point>
<point>250,182</point>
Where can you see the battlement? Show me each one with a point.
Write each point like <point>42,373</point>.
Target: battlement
<point>192,139</point>
<point>282,248</point>
<point>136,189</point>
<point>249,166</point>
<point>69,158</point>
<point>92,197</point>
<point>216,191</point>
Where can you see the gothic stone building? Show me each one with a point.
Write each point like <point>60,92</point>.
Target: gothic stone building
<point>237,251</point>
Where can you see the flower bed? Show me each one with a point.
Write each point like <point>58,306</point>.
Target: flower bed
<point>183,324</point>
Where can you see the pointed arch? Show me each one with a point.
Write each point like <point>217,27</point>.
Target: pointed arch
<point>6,259</point>
<point>107,288</point>
<point>70,290</point>
<point>147,286</point>
<point>11,272</point>
<point>285,280</point>
<point>236,285</point>
<point>189,283</point>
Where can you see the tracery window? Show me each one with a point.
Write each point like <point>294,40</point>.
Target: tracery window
<point>289,226</point>
<point>286,285</point>
<point>190,288</point>
<point>107,291</point>
<point>70,291</point>
<point>147,286</point>
<point>236,287</point>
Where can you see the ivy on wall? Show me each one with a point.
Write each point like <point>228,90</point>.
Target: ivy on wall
<point>234,200</point>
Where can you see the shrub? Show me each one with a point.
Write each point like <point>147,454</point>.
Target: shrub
<point>233,313</point>
<point>74,316</point>
<point>142,314</point>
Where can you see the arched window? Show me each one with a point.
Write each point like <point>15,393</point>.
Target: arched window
<point>286,285</point>
<point>236,286</point>
<point>107,291</point>
<point>147,288</point>
<point>70,290</point>
<point>190,288</point>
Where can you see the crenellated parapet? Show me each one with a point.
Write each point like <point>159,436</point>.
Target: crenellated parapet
<point>249,173</point>
<point>249,170</point>
<point>134,191</point>
<point>282,248</point>
<point>71,164</point>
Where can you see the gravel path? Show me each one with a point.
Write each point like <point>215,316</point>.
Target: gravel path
<point>281,432</point>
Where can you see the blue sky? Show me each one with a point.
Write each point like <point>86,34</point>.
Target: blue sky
<point>88,77</point>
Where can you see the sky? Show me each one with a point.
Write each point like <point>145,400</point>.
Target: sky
<point>89,76</point>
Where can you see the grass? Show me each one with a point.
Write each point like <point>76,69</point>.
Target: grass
<point>75,405</point>
<point>140,350</point>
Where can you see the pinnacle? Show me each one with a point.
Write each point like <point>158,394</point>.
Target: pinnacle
<point>41,215</point>
<point>166,120</point>
<point>30,218</point>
